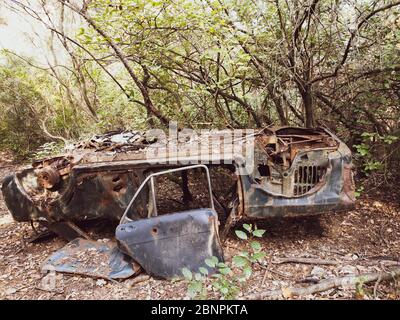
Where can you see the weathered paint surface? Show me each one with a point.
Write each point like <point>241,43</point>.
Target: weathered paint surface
<point>92,258</point>
<point>298,171</point>
<point>165,244</point>
<point>333,191</point>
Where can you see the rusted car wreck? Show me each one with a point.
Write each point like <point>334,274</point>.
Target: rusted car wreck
<point>116,177</point>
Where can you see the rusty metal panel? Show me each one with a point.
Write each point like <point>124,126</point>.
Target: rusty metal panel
<point>18,201</point>
<point>92,258</point>
<point>165,244</point>
<point>327,195</point>
<point>97,178</point>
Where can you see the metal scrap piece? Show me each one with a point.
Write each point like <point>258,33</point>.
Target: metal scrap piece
<point>92,258</point>
<point>166,244</point>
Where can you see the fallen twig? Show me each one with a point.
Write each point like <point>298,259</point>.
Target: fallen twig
<point>376,286</point>
<point>282,274</point>
<point>138,279</point>
<point>348,281</point>
<point>20,288</point>
<point>49,290</point>
<point>305,261</point>
<point>264,278</point>
<point>308,280</point>
<point>330,251</point>
<point>6,166</point>
<point>388,258</point>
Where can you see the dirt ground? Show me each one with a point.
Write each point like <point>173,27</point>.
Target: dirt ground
<point>364,240</point>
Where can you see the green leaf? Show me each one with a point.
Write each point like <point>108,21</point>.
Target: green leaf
<point>259,256</point>
<point>247,227</point>
<point>211,262</point>
<point>88,39</point>
<point>241,234</point>
<point>247,271</point>
<point>239,261</point>
<point>258,233</point>
<point>225,270</point>
<point>194,288</point>
<point>81,31</point>
<point>197,276</point>
<point>358,192</point>
<point>390,139</point>
<point>216,285</point>
<point>187,273</point>
<point>203,270</point>
<point>224,290</point>
<point>362,149</point>
<point>255,245</point>
<point>131,95</point>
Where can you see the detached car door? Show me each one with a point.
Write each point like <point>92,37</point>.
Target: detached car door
<point>165,244</point>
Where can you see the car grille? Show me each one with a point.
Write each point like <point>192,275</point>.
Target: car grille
<point>306,177</point>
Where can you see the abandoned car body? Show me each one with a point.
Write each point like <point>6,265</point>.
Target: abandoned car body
<point>296,171</point>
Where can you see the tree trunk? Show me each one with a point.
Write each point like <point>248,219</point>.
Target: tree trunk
<point>278,105</point>
<point>306,96</point>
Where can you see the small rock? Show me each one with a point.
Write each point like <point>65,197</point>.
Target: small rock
<point>318,272</point>
<point>377,204</point>
<point>11,291</point>
<point>7,219</point>
<point>348,270</point>
<point>101,282</point>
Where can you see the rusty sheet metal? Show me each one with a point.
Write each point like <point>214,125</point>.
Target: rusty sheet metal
<point>18,201</point>
<point>92,258</point>
<point>97,178</point>
<point>166,244</point>
<point>334,192</point>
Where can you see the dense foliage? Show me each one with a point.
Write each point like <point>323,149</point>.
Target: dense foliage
<point>208,63</point>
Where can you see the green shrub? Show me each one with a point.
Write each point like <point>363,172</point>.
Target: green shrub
<point>228,278</point>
